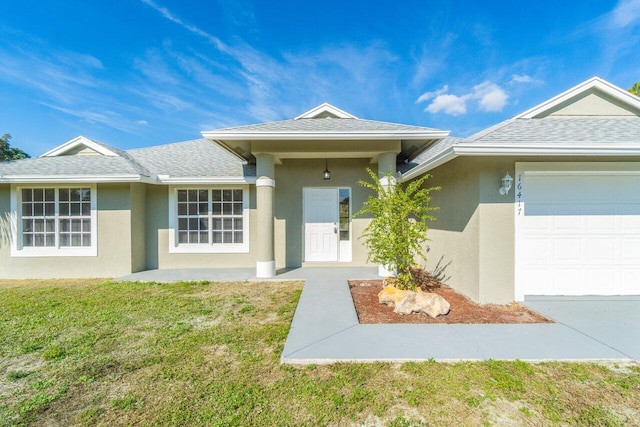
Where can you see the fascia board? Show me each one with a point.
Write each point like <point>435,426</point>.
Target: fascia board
<point>545,150</point>
<point>167,179</point>
<point>79,140</point>
<point>437,160</point>
<point>42,179</point>
<point>593,83</point>
<point>323,135</point>
<point>326,107</point>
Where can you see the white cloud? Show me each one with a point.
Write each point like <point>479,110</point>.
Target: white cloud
<point>490,96</point>
<point>449,104</point>
<point>430,95</point>
<point>625,13</point>
<point>142,122</point>
<point>522,78</point>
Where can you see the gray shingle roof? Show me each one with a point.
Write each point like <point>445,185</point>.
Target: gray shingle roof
<point>562,130</point>
<point>199,158</point>
<point>72,165</point>
<point>324,125</point>
<point>195,158</point>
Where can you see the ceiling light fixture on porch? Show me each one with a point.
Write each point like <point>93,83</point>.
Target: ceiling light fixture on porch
<point>506,184</point>
<point>326,175</point>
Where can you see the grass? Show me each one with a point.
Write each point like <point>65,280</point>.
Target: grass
<point>106,353</point>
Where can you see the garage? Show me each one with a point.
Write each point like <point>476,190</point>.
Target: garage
<point>577,231</point>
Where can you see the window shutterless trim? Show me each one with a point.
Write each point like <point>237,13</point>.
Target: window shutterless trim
<point>176,247</point>
<point>17,248</point>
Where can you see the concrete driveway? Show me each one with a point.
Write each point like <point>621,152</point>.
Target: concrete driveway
<point>612,321</point>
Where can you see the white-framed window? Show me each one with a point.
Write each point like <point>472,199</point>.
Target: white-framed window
<point>54,220</point>
<point>209,219</point>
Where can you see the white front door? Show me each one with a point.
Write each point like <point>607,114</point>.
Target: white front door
<point>321,217</point>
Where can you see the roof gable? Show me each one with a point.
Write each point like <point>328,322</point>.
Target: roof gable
<point>324,111</point>
<point>80,145</point>
<point>593,97</point>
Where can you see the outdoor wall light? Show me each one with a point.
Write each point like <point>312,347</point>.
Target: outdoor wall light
<point>326,175</point>
<point>506,184</point>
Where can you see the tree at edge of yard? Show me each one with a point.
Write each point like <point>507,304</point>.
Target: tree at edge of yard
<point>635,89</point>
<point>8,153</point>
<point>398,228</point>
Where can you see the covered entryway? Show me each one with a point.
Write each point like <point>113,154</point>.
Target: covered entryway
<point>577,232</point>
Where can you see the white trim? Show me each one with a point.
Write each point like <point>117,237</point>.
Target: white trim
<point>16,239</point>
<point>79,179</point>
<point>167,179</point>
<point>75,142</point>
<point>548,149</point>
<point>325,108</point>
<point>592,83</point>
<point>330,136</point>
<point>542,150</point>
<point>265,182</point>
<point>265,269</point>
<point>210,248</point>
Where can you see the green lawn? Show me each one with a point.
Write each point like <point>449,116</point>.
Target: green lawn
<point>94,352</point>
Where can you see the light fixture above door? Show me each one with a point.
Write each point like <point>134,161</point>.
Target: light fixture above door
<point>326,175</point>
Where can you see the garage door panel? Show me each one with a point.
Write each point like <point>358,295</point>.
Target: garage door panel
<point>538,251</point>
<point>601,223</point>
<point>600,251</point>
<point>630,250</point>
<point>579,235</point>
<point>567,250</point>
<point>565,223</point>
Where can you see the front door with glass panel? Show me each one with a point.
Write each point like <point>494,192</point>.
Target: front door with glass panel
<point>327,224</point>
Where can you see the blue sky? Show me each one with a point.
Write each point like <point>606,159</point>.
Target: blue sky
<point>147,72</point>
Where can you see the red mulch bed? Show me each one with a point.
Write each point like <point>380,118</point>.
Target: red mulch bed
<point>463,310</point>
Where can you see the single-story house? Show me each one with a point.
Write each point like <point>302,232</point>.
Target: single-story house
<point>544,203</point>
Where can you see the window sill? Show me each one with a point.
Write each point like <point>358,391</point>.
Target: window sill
<point>49,252</point>
<point>209,249</point>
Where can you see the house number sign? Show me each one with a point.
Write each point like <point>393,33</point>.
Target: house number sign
<point>519,195</point>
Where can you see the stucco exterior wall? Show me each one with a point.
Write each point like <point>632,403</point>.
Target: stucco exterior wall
<point>453,249</point>
<point>114,243</point>
<point>138,226</point>
<point>157,237</point>
<point>295,175</point>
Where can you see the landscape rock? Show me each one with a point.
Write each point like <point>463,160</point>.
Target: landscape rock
<point>407,302</point>
<point>432,304</point>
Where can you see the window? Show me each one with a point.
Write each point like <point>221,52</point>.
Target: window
<point>209,220</point>
<point>345,213</point>
<point>54,221</point>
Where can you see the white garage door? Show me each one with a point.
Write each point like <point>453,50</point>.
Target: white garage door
<point>578,234</point>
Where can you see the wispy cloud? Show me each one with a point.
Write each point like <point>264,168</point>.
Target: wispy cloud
<point>625,14</point>
<point>192,28</point>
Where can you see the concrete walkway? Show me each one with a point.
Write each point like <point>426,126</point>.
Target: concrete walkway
<point>325,329</point>
<point>325,326</point>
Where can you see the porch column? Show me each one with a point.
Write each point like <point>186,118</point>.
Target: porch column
<point>265,185</point>
<point>386,164</point>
